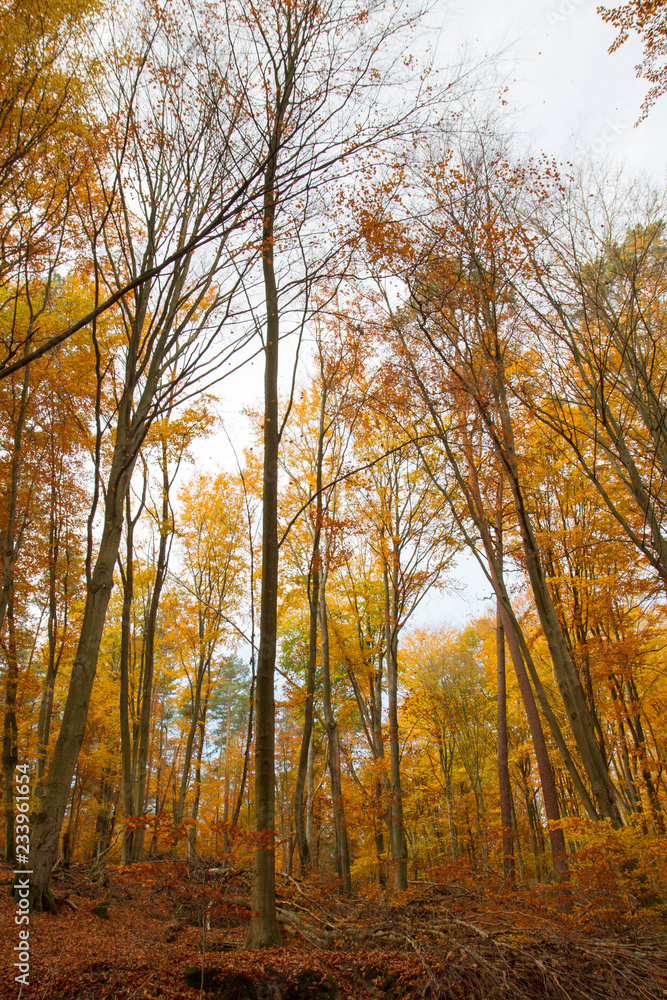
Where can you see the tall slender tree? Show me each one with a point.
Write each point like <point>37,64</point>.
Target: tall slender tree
<point>160,341</point>
<point>317,109</point>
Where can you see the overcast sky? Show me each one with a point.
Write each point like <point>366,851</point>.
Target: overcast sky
<point>568,95</point>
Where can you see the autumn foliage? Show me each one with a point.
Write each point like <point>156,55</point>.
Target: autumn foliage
<point>211,660</point>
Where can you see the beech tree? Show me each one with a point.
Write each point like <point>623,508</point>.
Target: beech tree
<point>47,69</point>
<point>487,372</point>
<point>313,456</point>
<point>168,444</point>
<point>358,622</point>
<point>648,18</point>
<point>462,321</point>
<point>316,109</point>
<point>210,583</point>
<point>414,546</point>
<point>597,302</point>
<point>42,419</point>
<point>159,341</point>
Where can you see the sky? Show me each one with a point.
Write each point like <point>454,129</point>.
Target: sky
<point>565,96</point>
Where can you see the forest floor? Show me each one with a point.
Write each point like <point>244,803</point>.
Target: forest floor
<point>135,933</point>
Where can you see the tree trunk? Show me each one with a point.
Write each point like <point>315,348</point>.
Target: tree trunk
<point>46,830</point>
<point>53,662</point>
<point>192,832</point>
<point>511,632</point>
<point>453,829</point>
<point>228,754</point>
<point>149,660</point>
<point>549,791</point>
<point>310,793</point>
<point>12,539</point>
<point>130,433</point>
<point>340,824</point>
<point>314,600</point>
<point>179,810</point>
<point>248,742</point>
<point>471,491</point>
<point>379,814</point>
<point>158,782</point>
<point>503,754</point>
<point>569,683</point>
<point>397,839</point>
<point>129,834</point>
<point>10,756</point>
<point>103,818</point>
<point>307,735</point>
<point>263,928</point>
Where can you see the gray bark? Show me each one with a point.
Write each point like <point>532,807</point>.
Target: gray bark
<point>58,589</point>
<point>338,805</point>
<point>314,603</point>
<point>130,433</point>
<point>149,656</point>
<point>263,928</point>
<point>503,765</point>
<point>569,682</point>
<point>397,840</point>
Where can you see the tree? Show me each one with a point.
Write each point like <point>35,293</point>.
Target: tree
<point>598,301</point>
<point>159,345</point>
<point>314,452</point>
<point>358,620</point>
<point>211,584</point>
<point>316,109</point>
<point>465,314</point>
<point>170,439</point>
<point>229,708</point>
<point>42,411</point>
<point>649,19</point>
<point>47,127</point>
<point>413,543</point>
